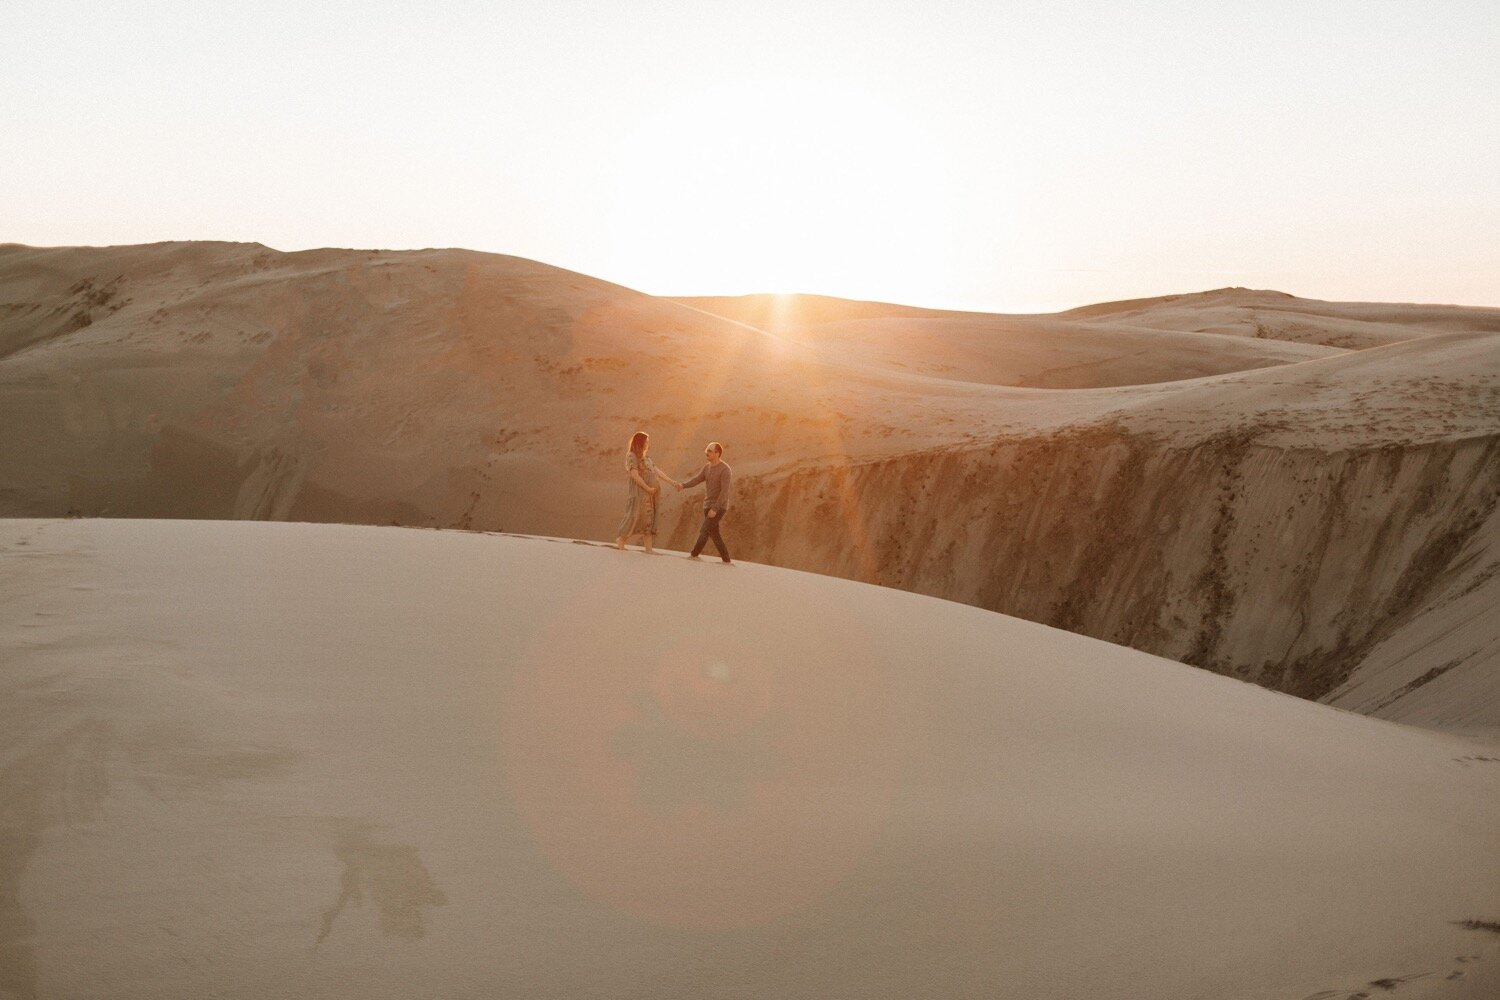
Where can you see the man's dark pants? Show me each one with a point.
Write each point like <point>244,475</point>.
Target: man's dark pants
<point>709,530</point>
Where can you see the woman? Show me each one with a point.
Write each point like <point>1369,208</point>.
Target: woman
<point>644,481</point>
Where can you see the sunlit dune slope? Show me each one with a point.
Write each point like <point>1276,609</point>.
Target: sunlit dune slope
<point>229,380</point>
<point>443,386</point>
<point>1046,352</point>
<point>1244,312</point>
<point>373,762</point>
<point>1275,319</point>
<point>1283,524</point>
<point>786,314</point>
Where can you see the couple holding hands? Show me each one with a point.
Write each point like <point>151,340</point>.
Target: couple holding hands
<point>645,484</point>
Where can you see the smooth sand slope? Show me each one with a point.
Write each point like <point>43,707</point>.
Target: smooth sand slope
<point>1285,505</point>
<point>244,759</point>
<point>1045,352</point>
<point>1439,670</point>
<point>1243,312</point>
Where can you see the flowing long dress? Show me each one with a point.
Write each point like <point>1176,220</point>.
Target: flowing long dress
<point>640,506</point>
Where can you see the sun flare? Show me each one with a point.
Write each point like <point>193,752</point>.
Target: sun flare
<point>780,184</point>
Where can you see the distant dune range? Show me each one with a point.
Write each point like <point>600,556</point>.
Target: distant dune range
<point>1293,492</point>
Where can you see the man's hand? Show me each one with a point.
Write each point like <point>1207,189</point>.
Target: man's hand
<point>713,513</point>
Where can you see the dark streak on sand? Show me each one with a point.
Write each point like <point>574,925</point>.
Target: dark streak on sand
<point>392,873</point>
<point>68,764</point>
<point>1480,925</point>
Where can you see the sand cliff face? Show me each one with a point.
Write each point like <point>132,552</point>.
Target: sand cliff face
<point>1276,565</point>
<point>1318,495</point>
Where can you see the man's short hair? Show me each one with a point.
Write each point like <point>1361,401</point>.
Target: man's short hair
<point>716,446</point>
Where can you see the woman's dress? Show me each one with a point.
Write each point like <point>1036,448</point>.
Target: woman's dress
<point>640,506</point>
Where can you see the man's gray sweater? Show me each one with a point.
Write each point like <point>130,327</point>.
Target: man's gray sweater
<point>717,477</point>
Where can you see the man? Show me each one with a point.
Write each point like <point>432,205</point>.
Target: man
<point>717,475</point>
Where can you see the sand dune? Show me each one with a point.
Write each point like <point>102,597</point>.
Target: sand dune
<point>443,385</point>
<point>1244,312</point>
<point>786,314</point>
<point>251,759</point>
<point>1440,667</point>
<point>1048,352</point>
<point>1281,511</point>
<point>1241,312</point>
<point>1042,352</point>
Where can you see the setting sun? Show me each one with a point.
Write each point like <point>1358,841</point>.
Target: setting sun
<point>782,184</point>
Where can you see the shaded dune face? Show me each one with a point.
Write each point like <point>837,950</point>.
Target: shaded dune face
<point>1283,567</point>
<point>1270,487</point>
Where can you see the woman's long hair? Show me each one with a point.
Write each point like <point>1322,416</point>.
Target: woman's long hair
<point>638,443</point>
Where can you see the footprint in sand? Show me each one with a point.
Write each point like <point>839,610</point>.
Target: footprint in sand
<point>1389,985</point>
<point>392,873</point>
<point>1392,983</point>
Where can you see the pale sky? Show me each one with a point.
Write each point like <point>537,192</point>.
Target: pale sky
<point>1013,156</point>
